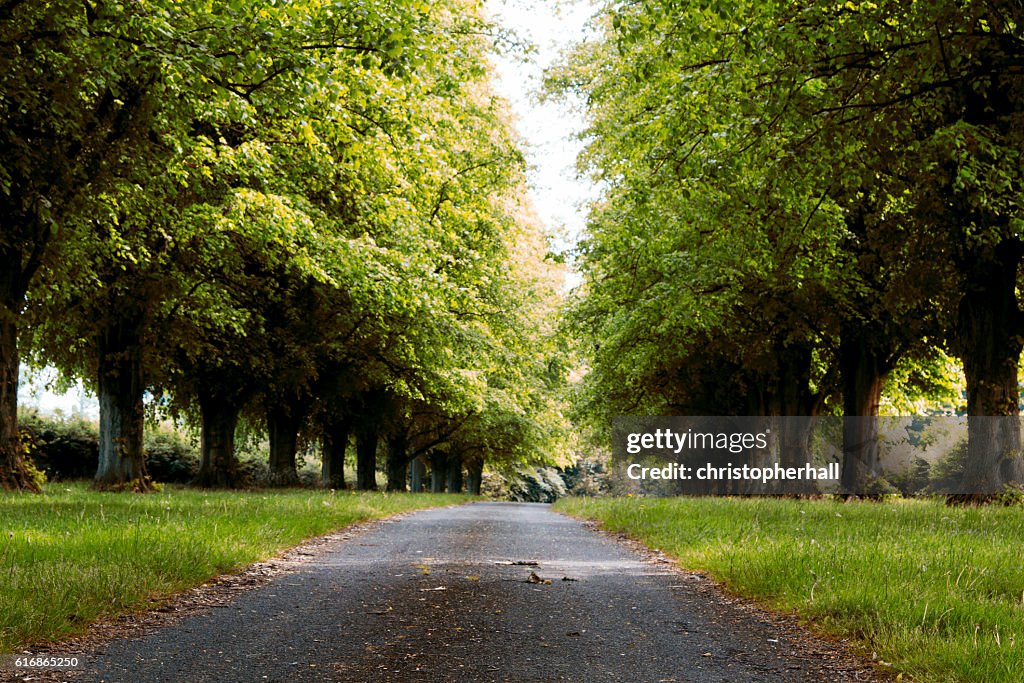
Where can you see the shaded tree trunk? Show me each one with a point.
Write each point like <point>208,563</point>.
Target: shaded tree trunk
<point>455,473</point>
<point>284,420</point>
<point>366,458</point>
<point>121,455</point>
<point>333,444</point>
<point>759,457</point>
<point>790,396</point>
<point>793,398</point>
<point>398,459</point>
<point>218,466</point>
<point>474,475</point>
<point>438,471</point>
<point>988,338</point>
<point>21,251</point>
<point>417,472</point>
<point>863,369</point>
<point>13,471</point>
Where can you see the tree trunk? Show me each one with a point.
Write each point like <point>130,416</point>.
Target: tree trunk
<point>218,466</point>
<point>770,426</point>
<point>121,456</point>
<point>791,397</point>
<point>333,444</point>
<point>474,476</point>
<point>794,399</point>
<point>398,459</point>
<point>863,371</point>
<point>15,275</point>
<point>438,471</point>
<point>283,424</point>
<point>417,471</point>
<point>989,342</point>
<point>455,473</point>
<point>366,459</point>
<point>14,474</point>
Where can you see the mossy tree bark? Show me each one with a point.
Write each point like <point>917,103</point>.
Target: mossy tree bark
<point>122,420</point>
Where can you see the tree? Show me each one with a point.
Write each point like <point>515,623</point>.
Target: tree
<point>316,222</point>
<point>754,153</point>
<point>79,103</point>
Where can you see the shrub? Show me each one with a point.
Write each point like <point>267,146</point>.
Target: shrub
<point>68,448</point>
<point>170,458</point>
<point>63,448</point>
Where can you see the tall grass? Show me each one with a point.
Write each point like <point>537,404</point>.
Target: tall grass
<point>71,555</point>
<point>938,592</point>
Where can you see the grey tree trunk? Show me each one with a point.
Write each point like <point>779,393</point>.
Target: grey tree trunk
<point>417,472</point>
<point>121,457</point>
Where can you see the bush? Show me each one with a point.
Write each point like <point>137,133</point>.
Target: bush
<point>170,458</point>
<point>62,448</point>
<point>68,448</point>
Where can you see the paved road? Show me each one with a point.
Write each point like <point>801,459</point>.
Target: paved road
<point>436,597</point>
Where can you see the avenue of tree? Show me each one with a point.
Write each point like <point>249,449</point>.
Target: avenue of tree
<point>805,205</point>
<point>307,216</point>
<point>304,215</point>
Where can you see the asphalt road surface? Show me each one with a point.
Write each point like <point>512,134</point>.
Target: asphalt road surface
<point>452,595</point>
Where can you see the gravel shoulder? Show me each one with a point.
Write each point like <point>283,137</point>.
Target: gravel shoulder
<point>479,592</point>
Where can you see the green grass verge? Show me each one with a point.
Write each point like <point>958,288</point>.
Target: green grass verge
<point>938,592</point>
<point>71,555</point>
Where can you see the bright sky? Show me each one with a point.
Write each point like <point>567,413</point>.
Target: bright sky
<point>558,195</point>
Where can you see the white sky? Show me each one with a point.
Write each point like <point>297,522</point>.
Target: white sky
<point>558,196</point>
<point>33,391</point>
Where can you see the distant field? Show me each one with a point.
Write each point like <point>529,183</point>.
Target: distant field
<point>70,556</point>
<point>937,592</point>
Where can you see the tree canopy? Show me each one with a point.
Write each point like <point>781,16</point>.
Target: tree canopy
<point>797,200</point>
<point>278,213</point>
